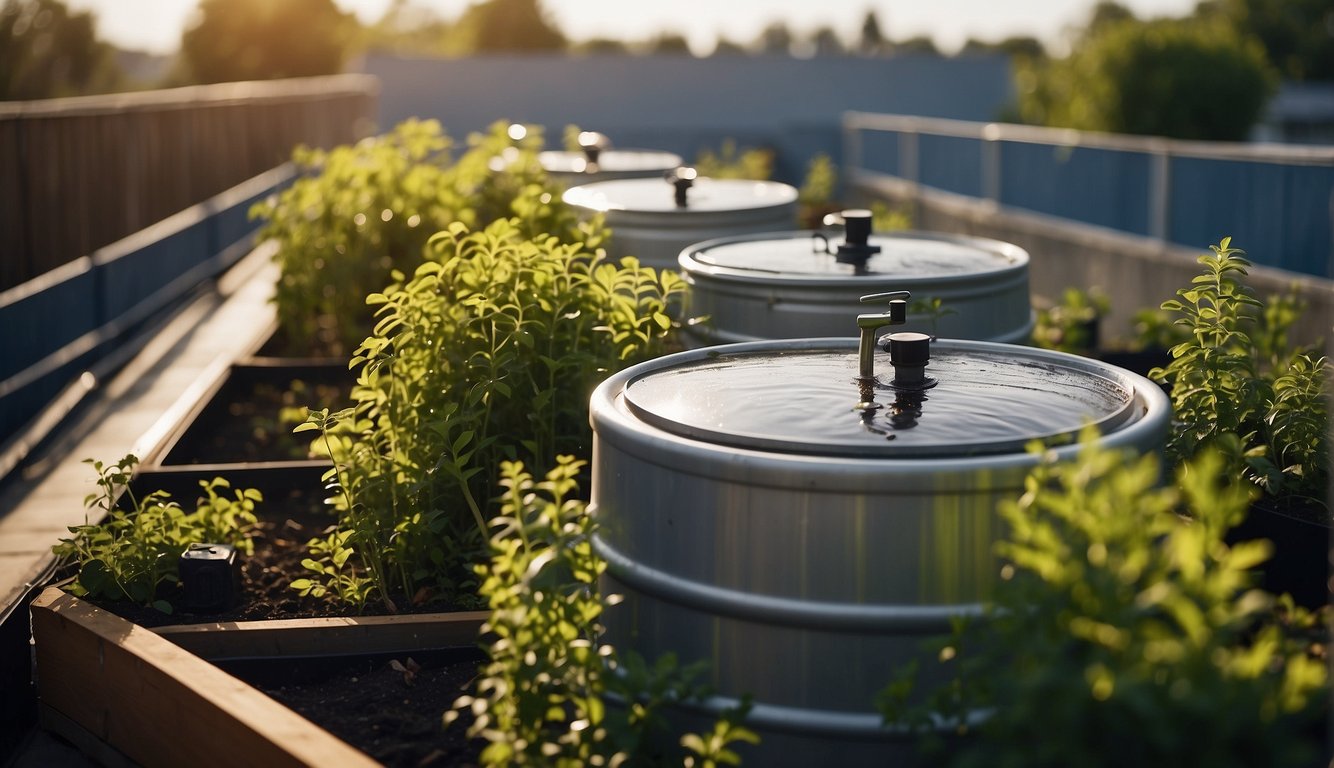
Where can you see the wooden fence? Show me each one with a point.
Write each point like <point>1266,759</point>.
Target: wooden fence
<point>77,174</point>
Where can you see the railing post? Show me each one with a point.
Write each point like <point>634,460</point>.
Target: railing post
<point>991,163</point>
<point>852,149</point>
<point>1160,191</point>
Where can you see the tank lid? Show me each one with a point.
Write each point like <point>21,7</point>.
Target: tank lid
<point>984,399</point>
<point>656,196</point>
<point>811,255</point>
<point>610,161</point>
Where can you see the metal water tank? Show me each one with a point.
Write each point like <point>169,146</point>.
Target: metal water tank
<point>803,514</point>
<point>803,284</point>
<point>655,220</point>
<point>597,160</point>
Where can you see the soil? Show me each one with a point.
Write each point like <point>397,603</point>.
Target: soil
<point>252,416</point>
<point>391,709</point>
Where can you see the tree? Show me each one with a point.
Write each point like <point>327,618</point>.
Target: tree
<point>872,41</point>
<point>775,39</point>
<point>407,28</point>
<point>601,46</point>
<point>46,51</point>
<point>826,42</point>
<point>1021,46</point>
<point>505,25</point>
<point>261,39</point>
<point>921,45</point>
<point>1297,35</point>
<point>668,44</point>
<point>726,47</point>
<point>1177,78</point>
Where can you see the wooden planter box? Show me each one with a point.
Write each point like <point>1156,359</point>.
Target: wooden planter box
<point>121,691</point>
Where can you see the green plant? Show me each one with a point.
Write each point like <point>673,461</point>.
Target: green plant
<point>1072,324</point>
<point>488,353</point>
<point>728,163</point>
<point>132,552</point>
<point>1126,633</point>
<point>1185,79</point>
<point>360,212</point>
<point>542,699</point>
<point>933,308</point>
<point>1236,385</point>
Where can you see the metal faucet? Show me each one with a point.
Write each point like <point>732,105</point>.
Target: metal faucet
<point>869,323</point>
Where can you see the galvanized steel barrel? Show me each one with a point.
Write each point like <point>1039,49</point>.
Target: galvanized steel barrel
<point>803,531</point>
<point>648,220</point>
<point>791,285</point>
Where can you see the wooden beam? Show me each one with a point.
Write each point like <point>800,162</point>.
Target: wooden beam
<point>160,705</point>
<point>327,636</point>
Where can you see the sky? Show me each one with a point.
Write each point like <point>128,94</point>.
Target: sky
<point>155,25</point>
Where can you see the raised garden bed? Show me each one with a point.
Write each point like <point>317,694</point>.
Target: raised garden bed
<point>234,415</point>
<point>106,683</point>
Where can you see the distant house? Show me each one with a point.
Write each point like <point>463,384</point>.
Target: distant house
<point>1301,113</point>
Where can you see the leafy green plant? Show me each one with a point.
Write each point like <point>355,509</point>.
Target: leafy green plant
<point>729,163</point>
<point>1071,325</point>
<point>133,551</point>
<point>931,307</point>
<point>487,353</point>
<point>542,699</point>
<point>1236,385</point>
<point>360,212</point>
<point>1126,633</point>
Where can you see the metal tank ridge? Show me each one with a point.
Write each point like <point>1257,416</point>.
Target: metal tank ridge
<point>801,519</point>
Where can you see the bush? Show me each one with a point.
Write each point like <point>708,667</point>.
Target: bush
<point>488,353</point>
<point>360,212</point>
<point>133,553</point>
<point>1238,387</point>
<point>1187,79</point>
<point>1124,633</point>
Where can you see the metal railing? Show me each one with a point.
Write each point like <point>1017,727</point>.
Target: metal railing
<point>77,174</point>
<point>1275,201</point>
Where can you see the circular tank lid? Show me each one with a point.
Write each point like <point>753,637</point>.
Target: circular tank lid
<point>610,161</point>
<point>807,255</point>
<point>985,399</point>
<point>706,195</point>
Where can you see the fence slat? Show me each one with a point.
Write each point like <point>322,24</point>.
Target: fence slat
<point>77,174</point>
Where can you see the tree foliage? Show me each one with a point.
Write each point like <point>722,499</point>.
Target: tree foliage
<point>1297,35</point>
<point>1184,79</point>
<point>515,26</point>
<point>46,51</point>
<point>260,40</point>
<point>872,41</point>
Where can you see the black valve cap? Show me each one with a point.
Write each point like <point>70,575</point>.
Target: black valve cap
<point>909,349</point>
<point>898,311</point>
<point>856,226</point>
<point>682,179</point>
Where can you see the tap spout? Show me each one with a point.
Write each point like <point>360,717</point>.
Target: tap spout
<point>869,323</point>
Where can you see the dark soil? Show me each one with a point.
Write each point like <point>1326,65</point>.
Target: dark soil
<point>251,417</point>
<point>391,709</point>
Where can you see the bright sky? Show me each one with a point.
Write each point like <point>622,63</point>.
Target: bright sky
<point>155,25</point>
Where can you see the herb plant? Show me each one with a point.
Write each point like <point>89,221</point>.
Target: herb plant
<point>1124,633</point>
<point>541,700</point>
<point>487,353</point>
<point>729,163</point>
<point>133,552</point>
<point>1071,325</point>
<point>1238,385</point>
<point>360,212</point>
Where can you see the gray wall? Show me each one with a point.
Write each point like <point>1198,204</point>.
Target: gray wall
<point>683,104</point>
